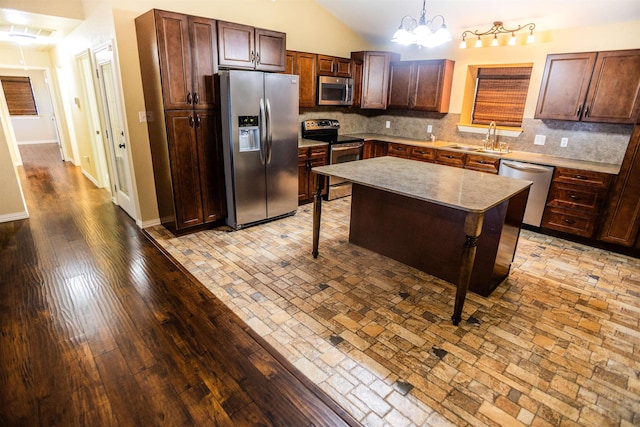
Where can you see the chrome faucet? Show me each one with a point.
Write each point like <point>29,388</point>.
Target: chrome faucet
<point>491,142</point>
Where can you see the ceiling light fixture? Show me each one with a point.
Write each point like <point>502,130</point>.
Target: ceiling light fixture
<point>421,32</point>
<point>498,28</point>
<point>23,39</point>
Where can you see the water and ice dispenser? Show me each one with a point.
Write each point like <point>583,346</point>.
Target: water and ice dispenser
<point>249,133</point>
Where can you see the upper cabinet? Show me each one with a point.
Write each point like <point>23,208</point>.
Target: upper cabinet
<point>375,77</point>
<point>591,87</point>
<point>246,47</point>
<point>421,85</point>
<point>304,65</point>
<point>187,58</point>
<point>334,66</point>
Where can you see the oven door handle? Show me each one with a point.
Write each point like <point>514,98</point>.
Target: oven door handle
<point>263,130</point>
<point>338,147</point>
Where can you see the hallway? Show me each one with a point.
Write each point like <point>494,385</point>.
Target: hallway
<point>98,328</point>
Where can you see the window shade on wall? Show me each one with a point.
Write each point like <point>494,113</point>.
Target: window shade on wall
<point>501,93</point>
<point>19,95</point>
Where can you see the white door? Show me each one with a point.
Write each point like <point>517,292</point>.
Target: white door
<point>114,129</point>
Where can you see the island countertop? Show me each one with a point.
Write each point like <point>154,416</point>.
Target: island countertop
<point>462,189</point>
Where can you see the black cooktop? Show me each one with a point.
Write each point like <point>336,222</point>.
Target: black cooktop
<point>326,130</point>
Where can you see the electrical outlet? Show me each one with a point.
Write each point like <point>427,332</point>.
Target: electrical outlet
<point>387,124</point>
<point>142,116</point>
<point>540,139</point>
<point>564,142</point>
<point>429,129</point>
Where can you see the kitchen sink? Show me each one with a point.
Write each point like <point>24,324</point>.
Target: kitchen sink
<point>463,147</point>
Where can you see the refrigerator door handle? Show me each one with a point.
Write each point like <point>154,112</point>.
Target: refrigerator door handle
<point>269,143</point>
<point>263,131</point>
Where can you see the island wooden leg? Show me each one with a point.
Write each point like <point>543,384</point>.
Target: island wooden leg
<point>317,211</point>
<point>472,229</point>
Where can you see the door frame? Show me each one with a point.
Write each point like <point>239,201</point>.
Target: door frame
<point>127,202</point>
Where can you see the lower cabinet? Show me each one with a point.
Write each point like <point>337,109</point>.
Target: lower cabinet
<point>195,170</point>
<point>482,163</point>
<point>308,158</point>
<point>575,201</point>
<point>375,149</point>
<point>450,158</point>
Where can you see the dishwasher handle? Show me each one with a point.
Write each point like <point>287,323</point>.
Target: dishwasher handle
<point>526,167</point>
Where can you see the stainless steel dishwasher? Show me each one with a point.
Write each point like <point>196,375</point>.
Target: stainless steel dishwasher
<point>541,177</point>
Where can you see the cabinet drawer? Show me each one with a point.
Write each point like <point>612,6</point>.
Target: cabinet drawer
<point>399,150</point>
<point>582,177</point>
<point>319,152</point>
<point>303,153</point>
<point>569,221</point>
<point>423,154</point>
<point>482,163</point>
<point>450,158</point>
<point>576,197</point>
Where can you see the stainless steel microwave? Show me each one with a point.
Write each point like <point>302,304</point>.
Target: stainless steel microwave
<point>335,90</point>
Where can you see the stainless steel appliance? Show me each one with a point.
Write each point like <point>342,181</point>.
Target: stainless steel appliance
<point>541,177</point>
<point>260,145</point>
<point>335,90</point>
<point>341,149</point>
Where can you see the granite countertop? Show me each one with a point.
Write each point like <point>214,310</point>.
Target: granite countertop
<point>303,142</point>
<point>461,189</point>
<point>523,156</point>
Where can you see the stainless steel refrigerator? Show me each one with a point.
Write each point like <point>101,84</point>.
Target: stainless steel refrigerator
<point>260,143</point>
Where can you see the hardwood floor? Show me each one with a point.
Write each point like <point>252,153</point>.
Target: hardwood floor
<point>98,327</point>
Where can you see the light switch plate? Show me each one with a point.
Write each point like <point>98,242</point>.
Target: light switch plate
<point>429,129</point>
<point>540,139</point>
<point>387,124</point>
<point>564,142</point>
<point>142,116</point>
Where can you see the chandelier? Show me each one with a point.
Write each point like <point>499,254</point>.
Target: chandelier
<point>422,32</point>
<point>498,28</point>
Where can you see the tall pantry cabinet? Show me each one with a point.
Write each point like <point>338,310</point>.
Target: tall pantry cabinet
<point>178,58</point>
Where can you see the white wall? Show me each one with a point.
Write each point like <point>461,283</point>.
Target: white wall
<point>40,128</point>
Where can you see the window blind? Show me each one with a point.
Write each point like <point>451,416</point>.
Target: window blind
<point>501,93</point>
<point>19,95</point>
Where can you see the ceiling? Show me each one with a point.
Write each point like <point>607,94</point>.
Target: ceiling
<point>377,20</point>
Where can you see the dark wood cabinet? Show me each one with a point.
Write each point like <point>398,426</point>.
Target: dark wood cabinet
<point>245,47</point>
<point>621,220</point>
<point>481,163</point>
<point>450,158</point>
<point>357,83</point>
<point>374,88</point>
<point>591,87</point>
<point>575,201</point>
<point>399,150</point>
<point>421,85</point>
<point>334,66</point>
<point>308,158</point>
<point>304,65</point>
<point>374,149</point>
<point>178,60</point>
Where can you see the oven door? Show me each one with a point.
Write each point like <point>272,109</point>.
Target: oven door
<point>341,153</point>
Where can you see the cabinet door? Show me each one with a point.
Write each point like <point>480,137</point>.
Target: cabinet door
<point>357,84</point>
<point>291,64</point>
<point>375,79</point>
<point>308,80</point>
<point>564,86</point>
<point>622,217</point>
<point>175,60</point>
<point>204,57</point>
<point>270,50</point>
<point>236,47</point>
<point>615,88</point>
<point>399,150</point>
<point>343,67</point>
<point>211,165</point>
<point>325,65</point>
<point>185,170</point>
<point>400,85</point>
<point>432,85</point>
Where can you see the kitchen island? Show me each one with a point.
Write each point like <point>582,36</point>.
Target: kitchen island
<point>456,224</point>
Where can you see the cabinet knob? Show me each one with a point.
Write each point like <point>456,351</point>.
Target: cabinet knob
<point>579,109</point>
<point>574,197</point>
<point>189,98</point>
<point>586,111</point>
<point>257,58</point>
<point>196,98</point>
<point>579,177</point>
<point>569,221</point>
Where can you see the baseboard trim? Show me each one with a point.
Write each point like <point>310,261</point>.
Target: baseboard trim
<point>14,216</point>
<point>150,223</point>
<point>44,141</point>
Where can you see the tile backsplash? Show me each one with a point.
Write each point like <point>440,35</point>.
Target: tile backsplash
<point>597,142</point>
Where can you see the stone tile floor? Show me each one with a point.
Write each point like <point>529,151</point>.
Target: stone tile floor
<point>556,344</point>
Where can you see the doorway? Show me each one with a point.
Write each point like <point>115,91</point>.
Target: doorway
<point>114,128</point>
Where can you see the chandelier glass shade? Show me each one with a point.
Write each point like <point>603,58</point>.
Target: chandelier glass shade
<point>495,30</point>
<point>422,32</point>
